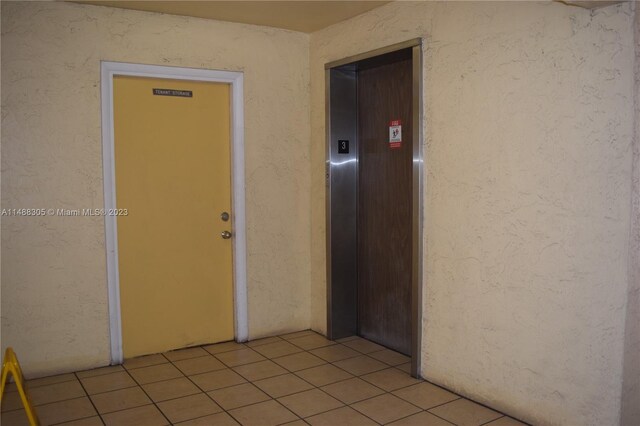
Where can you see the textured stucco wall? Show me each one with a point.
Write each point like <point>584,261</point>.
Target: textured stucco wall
<point>528,124</point>
<point>631,369</point>
<point>54,291</point>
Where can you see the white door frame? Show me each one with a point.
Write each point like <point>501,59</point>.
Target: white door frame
<point>235,79</point>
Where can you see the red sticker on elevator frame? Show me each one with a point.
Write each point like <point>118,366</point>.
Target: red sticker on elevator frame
<point>395,134</point>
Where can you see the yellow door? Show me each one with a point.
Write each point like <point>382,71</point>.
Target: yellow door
<point>172,161</point>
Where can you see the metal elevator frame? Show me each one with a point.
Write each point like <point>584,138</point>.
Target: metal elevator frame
<point>341,195</point>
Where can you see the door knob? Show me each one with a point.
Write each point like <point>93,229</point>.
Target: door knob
<point>225,235</point>
<point>224,216</point>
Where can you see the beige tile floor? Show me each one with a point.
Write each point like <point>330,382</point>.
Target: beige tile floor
<point>295,379</point>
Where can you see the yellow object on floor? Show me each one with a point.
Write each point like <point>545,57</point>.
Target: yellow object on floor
<point>11,365</point>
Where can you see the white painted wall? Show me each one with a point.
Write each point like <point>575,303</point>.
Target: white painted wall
<point>631,368</point>
<point>529,122</point>
<point>54,291</point>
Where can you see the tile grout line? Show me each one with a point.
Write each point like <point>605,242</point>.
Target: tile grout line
<point>167,360</point>
<point>116,370</point>
<point>440,405</point>
<point>89,398</point>
<point>326,361</point>
<point>185,359</point>
<point>376,396</point>
<point>112,390</point>
<point>477,403</point>
<point>288,423</point>
<point>428,412</point>
<point>340,381</point>
<point>224,410</point>
<point>75,420</point>
<point>226,367</point>
<point>57,402</point>
<point>197,374</point>
<point>337,366</point>
<point>294,372</point>
<point>248,381</point>
<point>188,377</point>
<point>344,404</point>
<point>288,372</point>
<point>431,408</point>
<point>74,376</point>
<point>148,396</point>
<point>367,382</point>
<point>249,405</point>
<point>490,421</point>
<point>31,387</point>
<point>252,362</point>
<point>252,383</point>
<point>387,367</point>
<point>164,400</point>
<point>244,346</point>
<point>49,402</point>
<point>289,410</point>
<point>358,353</point>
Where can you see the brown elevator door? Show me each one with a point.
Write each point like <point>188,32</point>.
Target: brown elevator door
<point>384,204</point>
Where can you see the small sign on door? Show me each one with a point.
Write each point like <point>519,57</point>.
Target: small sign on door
<point>395,134</point>
<point>173,92</point>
